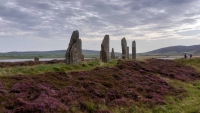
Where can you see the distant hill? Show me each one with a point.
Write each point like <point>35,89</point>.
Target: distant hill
<point>175,50</point>
<point>48,54</point>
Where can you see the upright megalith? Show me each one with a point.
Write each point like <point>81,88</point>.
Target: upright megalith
<point>36,59</point>
<point>105,49</point>
<point>74,50</point>
<point>124,48</point>
<point>127,52</point>
<point>100,56</point>
<point>112,54</point>
<point>82,57</point>
<point>134,50</point>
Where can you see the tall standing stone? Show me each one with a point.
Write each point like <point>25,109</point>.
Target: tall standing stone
<point>100,57</point>
<point>36,59</point>
<point>124,48</point>
<point>127,52</point>
<point>134,50</point>
<point>105,49</point>
<point>74,50</point>
<point>82,57</point>
<point>112,54</point>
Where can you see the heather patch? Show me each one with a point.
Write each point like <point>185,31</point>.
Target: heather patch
<point>129,83</point>
<point>28,63</point>
<point>165,68</point>
<point>2,89</point>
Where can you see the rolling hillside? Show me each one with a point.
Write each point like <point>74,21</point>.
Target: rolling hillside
<point>48,54</point>
<point>175,50</point>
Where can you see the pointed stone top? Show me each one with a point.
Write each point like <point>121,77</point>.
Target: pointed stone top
<point>74,38</point>
<point>133,43</point>
<point>106,39</point>
<point>123,41</point>
<point>112,54</point>
<point>75,34</point>
<point>124,38</point>
<point>112,50</point>
<point>106,36</point>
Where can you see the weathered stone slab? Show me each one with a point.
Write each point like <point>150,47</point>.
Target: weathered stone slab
<point>100,56</point>
<point>36,59</point>
<point>105,49</point>
<point>127,52</point>
<point>134,50</point>
<point>74,50</point>
<point>124,48</point>
<point>82,58</point>
<point>112,54</point>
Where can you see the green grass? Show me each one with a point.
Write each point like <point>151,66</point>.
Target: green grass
<point>189,104</point>
<point>191,101</point>
<point>195,62</point>
<point>60,67</point>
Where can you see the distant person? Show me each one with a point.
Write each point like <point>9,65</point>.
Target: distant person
<point>185,56</point>
<point>190,55</point>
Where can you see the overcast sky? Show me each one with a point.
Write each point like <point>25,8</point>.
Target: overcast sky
<point>38,25</point>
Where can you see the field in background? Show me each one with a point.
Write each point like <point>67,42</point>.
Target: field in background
<point>45,54</point>
<point>61,54</point>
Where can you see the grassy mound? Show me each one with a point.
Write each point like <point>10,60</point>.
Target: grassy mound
<point>107,89</point>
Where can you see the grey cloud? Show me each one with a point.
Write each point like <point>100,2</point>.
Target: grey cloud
<point>34,4</point>
<point>190,33</point>
<point>58,18</point>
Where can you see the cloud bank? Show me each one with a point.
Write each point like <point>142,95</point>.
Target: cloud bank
<point>133,19</point>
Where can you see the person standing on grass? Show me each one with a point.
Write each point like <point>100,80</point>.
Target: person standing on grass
<point>190,55</point>
<point>185,56</point>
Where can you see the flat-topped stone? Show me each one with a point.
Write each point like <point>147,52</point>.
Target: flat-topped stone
<point>127,52</point>
<point>124,48</point>
<point>134,50</point>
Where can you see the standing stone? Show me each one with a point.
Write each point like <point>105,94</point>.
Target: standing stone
<point>74,50</point>
<point>82,58</point>
<point>127,52</point>
<point>112,54</point>
<point>100,57</point>
<point>124,48</point>
<point>36,59</point>
<point>105,49</point>
<point>134,50</point>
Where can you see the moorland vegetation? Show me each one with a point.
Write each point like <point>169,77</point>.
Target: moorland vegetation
<point>120,86</point>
